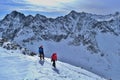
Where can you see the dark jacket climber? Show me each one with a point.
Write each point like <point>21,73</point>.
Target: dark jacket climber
<point>53,59</point>
<point>41,53</point>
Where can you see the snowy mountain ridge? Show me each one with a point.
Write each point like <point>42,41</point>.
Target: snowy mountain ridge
<point>16,66</point>
<point>81,39</point>
<point>80,27</point>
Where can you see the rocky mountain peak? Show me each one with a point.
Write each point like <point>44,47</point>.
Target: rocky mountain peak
<point>13,15</point>
<point>16,14</point>
<point>29,16</point>
<point>73,12</point>
<point>38,16</point>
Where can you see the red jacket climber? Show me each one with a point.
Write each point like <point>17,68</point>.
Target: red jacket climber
<point>53,59</point>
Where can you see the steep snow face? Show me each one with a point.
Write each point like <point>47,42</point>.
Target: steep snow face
<point>15,66</point>
<point>110,47</point>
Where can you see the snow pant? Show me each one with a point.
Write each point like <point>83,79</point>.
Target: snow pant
<point>54,64</point>
<point>41,56</point>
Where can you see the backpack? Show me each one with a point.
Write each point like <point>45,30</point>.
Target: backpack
<point>54,56</point>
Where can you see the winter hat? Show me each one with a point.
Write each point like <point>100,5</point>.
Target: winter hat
<point>54,53</point>
<point>41,46</point>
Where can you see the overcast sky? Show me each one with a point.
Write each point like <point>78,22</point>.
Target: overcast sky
<point>54,8</point>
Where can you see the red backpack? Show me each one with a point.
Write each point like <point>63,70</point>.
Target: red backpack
<point>54,57</point>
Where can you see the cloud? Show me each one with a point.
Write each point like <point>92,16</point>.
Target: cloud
<point>61,6</point>
<point>48,5</point>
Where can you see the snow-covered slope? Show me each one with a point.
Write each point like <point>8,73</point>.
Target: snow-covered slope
<point>105,64</point>
<point>16,66</point>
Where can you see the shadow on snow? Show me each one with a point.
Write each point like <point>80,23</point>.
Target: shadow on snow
<point>41,62</point>
<point>56,70</point>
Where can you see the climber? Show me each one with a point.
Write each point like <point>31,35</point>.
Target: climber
<point>41,53</point>
<point>54,59</point>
